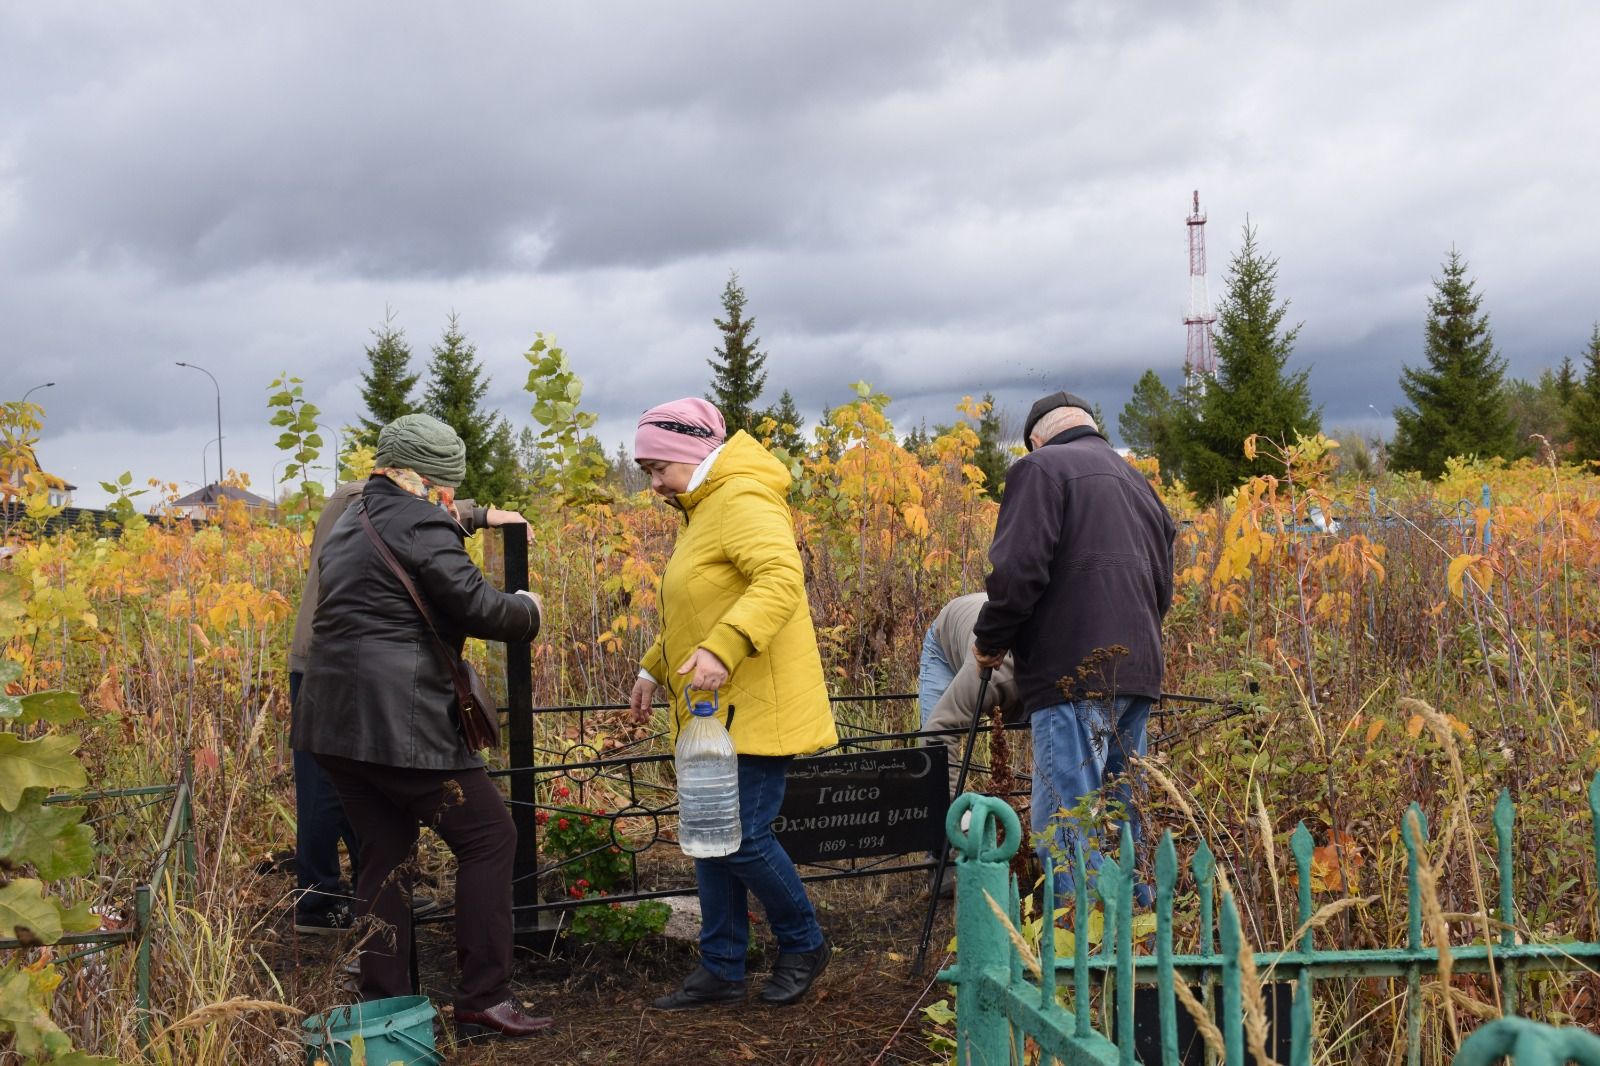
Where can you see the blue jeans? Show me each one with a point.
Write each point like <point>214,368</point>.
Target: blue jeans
<point>934,674</point>
<point>1076,746</point>
<point>319,825</point>
<point>760,866</point>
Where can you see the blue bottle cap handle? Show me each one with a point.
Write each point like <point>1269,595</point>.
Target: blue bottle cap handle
<point>703,708</point>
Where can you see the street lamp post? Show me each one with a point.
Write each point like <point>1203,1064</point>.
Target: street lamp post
<point>338,450</point>
<point>213,377</point>
<point>36,388</point>
<point>276,491</point>
<point>218,442</point>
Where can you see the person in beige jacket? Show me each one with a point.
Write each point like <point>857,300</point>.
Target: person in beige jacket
<point>950,679</point>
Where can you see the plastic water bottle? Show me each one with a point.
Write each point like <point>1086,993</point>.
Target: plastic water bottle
<point>708,786</point>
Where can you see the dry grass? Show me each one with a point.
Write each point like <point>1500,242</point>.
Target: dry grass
<point>188,643</point>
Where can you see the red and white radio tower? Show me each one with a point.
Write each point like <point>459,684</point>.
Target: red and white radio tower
<point>1199,360</point>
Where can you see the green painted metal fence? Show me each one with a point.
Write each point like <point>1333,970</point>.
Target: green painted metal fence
<point>178,836</point>
<point>1006,995</point>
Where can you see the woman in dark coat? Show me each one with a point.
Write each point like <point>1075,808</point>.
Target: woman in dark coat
<point>377,709</point>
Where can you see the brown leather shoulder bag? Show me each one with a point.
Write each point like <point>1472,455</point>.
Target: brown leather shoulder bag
<point>478,718</point>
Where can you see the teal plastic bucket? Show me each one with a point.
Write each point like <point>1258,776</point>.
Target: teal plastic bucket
<point>397,1030</point>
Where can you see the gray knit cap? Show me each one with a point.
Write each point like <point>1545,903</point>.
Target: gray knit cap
<point>426,445</point>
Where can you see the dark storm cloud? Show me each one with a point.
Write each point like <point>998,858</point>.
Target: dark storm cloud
<point>442,143</point>
<point>434,142</point>
<point>943,199</point>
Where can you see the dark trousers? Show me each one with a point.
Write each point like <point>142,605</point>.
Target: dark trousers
<point>388,805</point>
<point>319,825</point>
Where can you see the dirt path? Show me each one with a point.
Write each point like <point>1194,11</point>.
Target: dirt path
<point>865,1009</point>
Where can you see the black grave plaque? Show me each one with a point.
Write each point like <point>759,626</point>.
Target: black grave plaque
<point>865,804</point>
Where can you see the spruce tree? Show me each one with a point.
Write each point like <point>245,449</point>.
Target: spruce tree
<point>1585,411</point>
<point>1536,410</point>
<point>1252,394</point>
<point>1150,423</point>
<point>918,439</point>
<point>786,434</point>
<point>504,481</point>
<point>386,384</point>
<point>736,379</point>
<point>1566,381</point>
<point>625,475</point>
<point>1458,400</point>
<point>990,457</point>
<point>456,388</point>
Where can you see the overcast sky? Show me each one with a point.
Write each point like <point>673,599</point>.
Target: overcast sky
<point>940,197</point>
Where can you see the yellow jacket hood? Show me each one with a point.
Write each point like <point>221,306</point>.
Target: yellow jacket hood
<point>741,457</point>
<point>735,586</point>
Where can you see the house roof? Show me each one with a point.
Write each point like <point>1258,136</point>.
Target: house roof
<point>209,496</point>
<point>14,474</point>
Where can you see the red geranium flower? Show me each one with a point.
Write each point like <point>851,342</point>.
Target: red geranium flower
<point>541,817</point>
<point>563,824</point>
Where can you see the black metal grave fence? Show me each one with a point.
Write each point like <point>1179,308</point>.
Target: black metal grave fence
<point>880,772</point>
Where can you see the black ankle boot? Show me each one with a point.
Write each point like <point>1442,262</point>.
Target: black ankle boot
<point>702,989</point>
<point>793,974</point>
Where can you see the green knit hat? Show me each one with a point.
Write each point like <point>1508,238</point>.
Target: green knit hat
<point>426,445</point>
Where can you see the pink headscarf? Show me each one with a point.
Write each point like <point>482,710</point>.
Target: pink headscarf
<point>683,431</point>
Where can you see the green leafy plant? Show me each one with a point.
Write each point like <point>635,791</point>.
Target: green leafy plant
<point>573,463</point>
<point>580,838</point>
<point>620,923</point>
<point>941,1026</point>
<point>593,865</point>
<point>297,417</point>
<point>121,508</point>
<point>39,842</point>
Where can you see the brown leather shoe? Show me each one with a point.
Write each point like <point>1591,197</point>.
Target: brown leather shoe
<point>503,1019</point>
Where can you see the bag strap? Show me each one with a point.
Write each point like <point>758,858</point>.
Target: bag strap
<point>463,692</point>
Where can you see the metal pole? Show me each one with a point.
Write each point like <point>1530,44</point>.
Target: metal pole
<point>277,495</point>
<point>984,968</point>
<point>338,449</point>
<point>142,965</point>
<point>191,863</point>
<point>519,700</point>
<point>36,388</point>
<point>203,474</point>
<point>944,853</point>
<point>213,377</point>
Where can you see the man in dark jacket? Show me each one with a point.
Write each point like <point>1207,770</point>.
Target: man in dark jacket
<point>1081,578</point>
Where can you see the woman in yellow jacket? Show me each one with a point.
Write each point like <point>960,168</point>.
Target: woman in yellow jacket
<point>735,619</point>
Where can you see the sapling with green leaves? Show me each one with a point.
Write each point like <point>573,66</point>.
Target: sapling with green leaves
<point>297,417</point>
<point>574,463</point>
